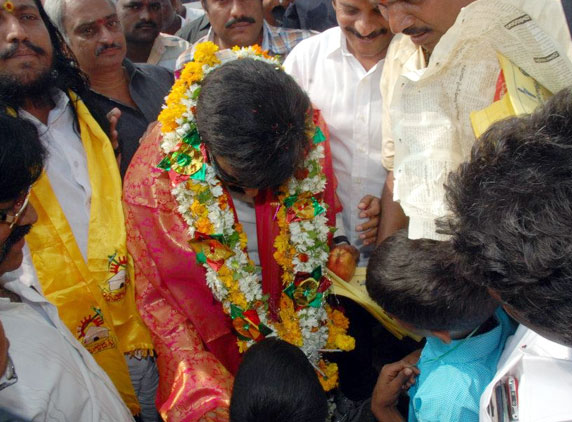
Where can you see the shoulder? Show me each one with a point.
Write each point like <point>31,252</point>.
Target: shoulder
<point>314,48</point>
<point>448,392</point>
<point>159,76</point>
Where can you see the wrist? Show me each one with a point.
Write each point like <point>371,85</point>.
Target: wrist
<point>387,414</point>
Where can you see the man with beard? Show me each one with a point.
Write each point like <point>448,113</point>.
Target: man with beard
<point>78,244</point>
<point>45,373</point>
<point>142,21</point>
<point>441,67</point>
<point>94,35</point>
<point>241,23</point>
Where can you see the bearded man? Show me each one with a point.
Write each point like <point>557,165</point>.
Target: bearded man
<point>231,234</point>
<point>78,245</point>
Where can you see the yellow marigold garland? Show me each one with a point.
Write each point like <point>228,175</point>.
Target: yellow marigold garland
<point>220,243</point>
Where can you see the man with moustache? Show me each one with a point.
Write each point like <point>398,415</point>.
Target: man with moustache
<point>45,374</point>
<point>142,21</point>
<point>438,72</point>
<point>94,35</point>
<point>78,246</point>
<point>241,23</point>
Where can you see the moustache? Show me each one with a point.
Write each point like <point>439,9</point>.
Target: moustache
<point>102,48</point>
<point>14,46</point>
<point>17,234</point>
<point>141,24</point>
<point>233,21</point>
<point>415,31</point>
<point>370,36</point>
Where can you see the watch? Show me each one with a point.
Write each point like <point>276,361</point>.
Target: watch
<point>10,377</point>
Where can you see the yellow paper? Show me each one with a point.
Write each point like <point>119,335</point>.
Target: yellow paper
<point>523,95</point>
<point>356,291</point>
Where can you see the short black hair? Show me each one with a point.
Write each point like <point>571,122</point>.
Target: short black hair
<point>512,206</point>
<point>276,383</point>
<point>255,116</point>
<point>22,156</point>
<point>417,282</point>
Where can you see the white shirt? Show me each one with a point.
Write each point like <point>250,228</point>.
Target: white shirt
<point>166,49</point>
<point>58,379</point>
<point>350,101</point>
<point>544,372</point>
<point>66,167</point>
<point>247,217</point>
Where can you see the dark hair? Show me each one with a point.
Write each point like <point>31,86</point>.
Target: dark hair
<point>66,73</point>
<point>512,205</point>
<point>22,156</point>
<point>417,282</point>
<point>276,383</point>
<point>254,115</point>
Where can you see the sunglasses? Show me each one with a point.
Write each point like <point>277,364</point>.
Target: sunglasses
<point>11,217</point>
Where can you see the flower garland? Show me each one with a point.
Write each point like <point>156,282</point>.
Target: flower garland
<point>301,247</point>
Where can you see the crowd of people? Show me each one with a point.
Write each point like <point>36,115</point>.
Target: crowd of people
<point>181,183</point>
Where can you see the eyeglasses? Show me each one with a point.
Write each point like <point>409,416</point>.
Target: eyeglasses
<point>11,217</point>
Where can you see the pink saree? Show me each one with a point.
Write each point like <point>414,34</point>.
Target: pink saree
<point>195,343</point>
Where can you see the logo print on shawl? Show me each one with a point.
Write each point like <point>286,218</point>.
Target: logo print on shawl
<point>93,335</point>
<point>115,287</point>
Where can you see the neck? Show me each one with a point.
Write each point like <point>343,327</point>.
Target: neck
<point>139,52</point>
<point>108,81</point>
<point>39,108</point>
<point>367,61</point>
<point>174,26</point>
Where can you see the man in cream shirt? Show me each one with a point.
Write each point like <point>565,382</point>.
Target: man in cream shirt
<point>442,67</point>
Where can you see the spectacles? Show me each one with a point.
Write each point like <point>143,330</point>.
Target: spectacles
<point>11,217</point>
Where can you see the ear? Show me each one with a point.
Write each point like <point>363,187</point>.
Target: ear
<point>444,336</point>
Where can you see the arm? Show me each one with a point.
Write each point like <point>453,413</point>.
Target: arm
<point>392,216</point>
<point>393,379</point>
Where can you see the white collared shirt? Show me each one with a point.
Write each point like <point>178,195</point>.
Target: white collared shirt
<point>350,101</point>
<point>58,379</point>
<point>66,166</point>
<point>544,373</point>
<point>166,49</point>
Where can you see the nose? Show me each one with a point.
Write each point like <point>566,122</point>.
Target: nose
<point>29,217</point>
<point>144,15</point>
<point>106,37</point>
<point>250,192</point>
<point>15,31</point>
<point>365,26</point>
<point>398,18</point>
<point>237,9</point>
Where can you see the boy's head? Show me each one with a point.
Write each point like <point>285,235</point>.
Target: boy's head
<point>416,282</point>
<point>276,383</point>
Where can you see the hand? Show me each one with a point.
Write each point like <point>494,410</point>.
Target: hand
<point>113,117</point>
<point>370,207</point>
<point>268,5</point>
<point>393,379</point>
<point>4,346</point>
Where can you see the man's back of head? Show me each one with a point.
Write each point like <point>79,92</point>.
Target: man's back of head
<point>512,224</point>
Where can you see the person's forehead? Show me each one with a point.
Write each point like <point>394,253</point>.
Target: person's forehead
<point>140,2</point>
<point>84,12</point>
<point>20,4</point>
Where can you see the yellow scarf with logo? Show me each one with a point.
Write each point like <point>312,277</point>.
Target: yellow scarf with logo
<point>96,300</point>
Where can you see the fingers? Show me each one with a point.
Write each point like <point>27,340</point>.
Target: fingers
<point>370,206</point>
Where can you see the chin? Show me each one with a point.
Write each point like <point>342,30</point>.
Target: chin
<point>12,262</point>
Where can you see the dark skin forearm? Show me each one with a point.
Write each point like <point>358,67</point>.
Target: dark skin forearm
<point>392,216</point>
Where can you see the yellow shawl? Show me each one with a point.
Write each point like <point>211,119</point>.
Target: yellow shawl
<point>96,300</point>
